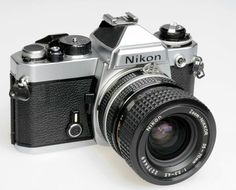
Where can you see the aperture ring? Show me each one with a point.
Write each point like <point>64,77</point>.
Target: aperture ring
<point>110,91</point>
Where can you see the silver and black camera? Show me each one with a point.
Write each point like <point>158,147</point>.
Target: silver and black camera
<point>124,87</point>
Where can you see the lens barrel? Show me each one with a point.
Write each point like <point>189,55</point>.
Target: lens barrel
<point>164,133</point>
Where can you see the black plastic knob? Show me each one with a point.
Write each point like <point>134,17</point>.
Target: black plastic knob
<point>75,45</point>
<point>173,32</point>
<point>55,54</point>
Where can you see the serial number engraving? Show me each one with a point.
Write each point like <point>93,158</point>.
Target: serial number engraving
<point>148,167</point>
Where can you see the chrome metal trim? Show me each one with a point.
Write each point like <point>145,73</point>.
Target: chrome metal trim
<point>107,81</point>
<point>31,53</point>
<point>53,148</point>
<point>177,44</point>
<point>129,18</point>
<point>114,80</point>
<point>41,71</point>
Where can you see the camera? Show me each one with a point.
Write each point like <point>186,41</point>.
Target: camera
<point>124,87</point>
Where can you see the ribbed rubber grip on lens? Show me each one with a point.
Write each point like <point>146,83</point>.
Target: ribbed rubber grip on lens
<point>142,108</point>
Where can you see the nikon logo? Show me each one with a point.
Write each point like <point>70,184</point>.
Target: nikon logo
<point>141,58</point>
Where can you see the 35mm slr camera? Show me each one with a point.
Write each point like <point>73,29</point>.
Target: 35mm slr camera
<point>122,86</point>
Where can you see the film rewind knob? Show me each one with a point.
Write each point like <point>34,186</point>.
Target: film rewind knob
<point>75,45</point>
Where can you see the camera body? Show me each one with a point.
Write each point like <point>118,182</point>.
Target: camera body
<point>57,84</point>
<point>122,87</point>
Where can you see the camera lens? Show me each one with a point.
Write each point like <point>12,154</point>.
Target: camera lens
<point>164,133</point>
<point>169,138</point>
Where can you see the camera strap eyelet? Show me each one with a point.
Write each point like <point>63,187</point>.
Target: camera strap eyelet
<point>20,90</point>
<point>198,67</point>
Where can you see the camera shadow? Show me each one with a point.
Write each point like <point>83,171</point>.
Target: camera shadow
<point>115,167</point>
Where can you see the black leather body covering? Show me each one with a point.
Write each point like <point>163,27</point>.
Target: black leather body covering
<point>44,118</point>
<point>184,77</point>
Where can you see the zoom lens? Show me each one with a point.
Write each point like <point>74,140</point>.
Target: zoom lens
<point>164,133</point>
<point>169,138</point>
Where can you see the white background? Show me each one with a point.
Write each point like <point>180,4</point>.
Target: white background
<point>212,25</point>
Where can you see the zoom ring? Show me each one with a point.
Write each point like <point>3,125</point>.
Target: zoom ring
<point>147,102</point>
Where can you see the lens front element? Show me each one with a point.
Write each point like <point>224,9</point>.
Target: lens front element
<point>163,133</point>
<point>169,138</point>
